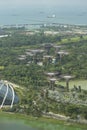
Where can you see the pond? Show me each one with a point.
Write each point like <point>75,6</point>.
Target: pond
<point>6,124</point>
<point>35,124</point>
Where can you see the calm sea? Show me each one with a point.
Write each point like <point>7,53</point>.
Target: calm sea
<point>43,15</point>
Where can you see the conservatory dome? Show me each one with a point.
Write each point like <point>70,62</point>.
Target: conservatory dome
<point>8,95</point>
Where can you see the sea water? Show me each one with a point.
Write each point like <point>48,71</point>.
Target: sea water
<point>37,15</point>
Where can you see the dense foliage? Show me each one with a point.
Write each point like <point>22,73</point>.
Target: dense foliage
<point>15,70</point>
<point>32,77</point>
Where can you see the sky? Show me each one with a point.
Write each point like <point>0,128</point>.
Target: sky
<point>19,3</point>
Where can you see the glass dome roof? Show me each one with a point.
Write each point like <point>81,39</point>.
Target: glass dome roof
<point>7,95</point>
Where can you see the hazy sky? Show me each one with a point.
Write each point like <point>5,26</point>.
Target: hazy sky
<point>12,3</point>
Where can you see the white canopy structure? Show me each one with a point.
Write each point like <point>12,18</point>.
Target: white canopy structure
<point>7,95</point>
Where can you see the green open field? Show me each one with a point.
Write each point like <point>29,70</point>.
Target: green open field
<point>73,39</point>
<point>82,83</point>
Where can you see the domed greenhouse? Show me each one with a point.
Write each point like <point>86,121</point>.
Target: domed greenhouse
<point>8,95</point>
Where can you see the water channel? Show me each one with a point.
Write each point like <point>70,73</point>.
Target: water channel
<point>13,124</point>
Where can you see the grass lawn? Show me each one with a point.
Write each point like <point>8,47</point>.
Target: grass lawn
<point>82,83</point>
<point>73,39</point>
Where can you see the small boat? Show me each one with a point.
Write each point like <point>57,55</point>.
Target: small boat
<point>53,16</point>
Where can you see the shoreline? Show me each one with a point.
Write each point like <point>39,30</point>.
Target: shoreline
<point>39,24</point>
<point>64,118</point>
<point>38,120</point>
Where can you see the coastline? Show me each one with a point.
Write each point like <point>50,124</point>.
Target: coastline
<point>64,118</point>
<point>38,25</point>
